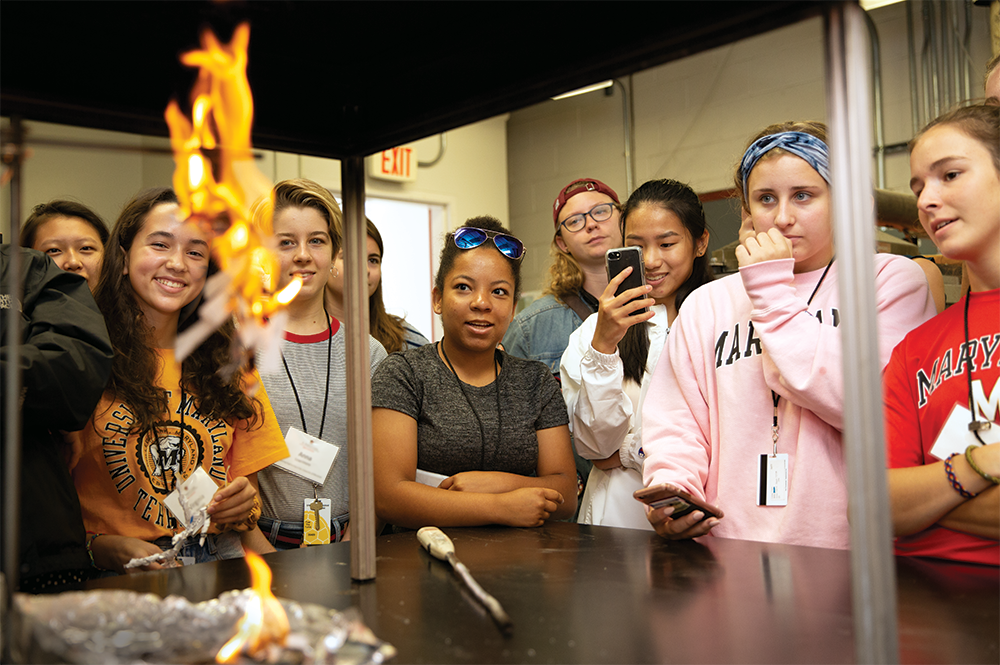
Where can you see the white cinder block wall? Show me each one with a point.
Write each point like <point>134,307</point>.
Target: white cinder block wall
<point>692,119</point>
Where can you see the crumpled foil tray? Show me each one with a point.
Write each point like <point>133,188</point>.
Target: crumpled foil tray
<point>118,626</point>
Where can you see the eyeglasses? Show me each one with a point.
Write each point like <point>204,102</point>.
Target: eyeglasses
<point>599,213</point>
<point>469,237</point>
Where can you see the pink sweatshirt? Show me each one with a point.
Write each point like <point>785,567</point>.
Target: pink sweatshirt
<point>708,413</point>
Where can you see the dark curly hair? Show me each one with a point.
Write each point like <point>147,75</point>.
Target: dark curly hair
<point>451,252</point>
<point>136,364</point>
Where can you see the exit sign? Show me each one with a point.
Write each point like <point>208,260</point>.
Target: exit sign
<point>399,164</point>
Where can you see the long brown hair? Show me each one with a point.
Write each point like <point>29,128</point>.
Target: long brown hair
<point>136,365</point>
<point>385,327</point>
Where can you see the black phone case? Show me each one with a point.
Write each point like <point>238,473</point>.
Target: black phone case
<point>618,259</point>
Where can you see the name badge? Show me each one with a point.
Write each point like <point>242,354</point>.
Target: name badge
<point>308,457</point>
<point>198,489</point>
<point>955,436</point>
<point>772,480</point>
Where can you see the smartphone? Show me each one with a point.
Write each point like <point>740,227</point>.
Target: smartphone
<point>617,260</point>
<point>665,494</point>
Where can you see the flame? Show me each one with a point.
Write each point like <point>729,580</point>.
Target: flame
<point>217,184</point>
<point>264,622</point>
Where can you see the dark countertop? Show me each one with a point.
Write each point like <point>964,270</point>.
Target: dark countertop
<point>584,594</point>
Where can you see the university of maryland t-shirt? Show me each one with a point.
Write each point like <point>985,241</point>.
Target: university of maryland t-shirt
<point>122,480</point>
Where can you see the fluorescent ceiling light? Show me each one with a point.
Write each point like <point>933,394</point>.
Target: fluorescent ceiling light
<point>869,5</point>
<point>581,91</point>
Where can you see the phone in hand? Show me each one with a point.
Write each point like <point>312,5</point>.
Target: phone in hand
<point>618,259</point>
<point>665,494</point>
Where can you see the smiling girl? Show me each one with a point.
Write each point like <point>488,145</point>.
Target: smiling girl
<point>606,367</point>
<point>160,420</point>
<point>493,426</point>
<point>749,399</point>
<point>941,394</point>
<point>309,391</point>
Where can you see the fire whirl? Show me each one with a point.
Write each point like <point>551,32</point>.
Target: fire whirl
<point>218,185</point>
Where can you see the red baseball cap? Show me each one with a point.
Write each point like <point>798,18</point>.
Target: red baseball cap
<point>578,187</point>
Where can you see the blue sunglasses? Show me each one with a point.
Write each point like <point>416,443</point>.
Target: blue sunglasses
<point>469,237</point>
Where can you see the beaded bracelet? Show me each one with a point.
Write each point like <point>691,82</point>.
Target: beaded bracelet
<point>953,479</point>
<point>975,467</point>
<point>90,552</point>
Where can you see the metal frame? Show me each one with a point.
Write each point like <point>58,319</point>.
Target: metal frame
<point>873,572</point>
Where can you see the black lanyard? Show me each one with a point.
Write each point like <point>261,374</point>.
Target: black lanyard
<point>326,396</point>
<point>975,426</point>
<point>496,383</point>
<point>774,395</point>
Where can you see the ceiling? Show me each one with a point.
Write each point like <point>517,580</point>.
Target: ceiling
<point>339,79</point>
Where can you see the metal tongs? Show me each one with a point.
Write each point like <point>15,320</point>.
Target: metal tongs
<point>440,546</point>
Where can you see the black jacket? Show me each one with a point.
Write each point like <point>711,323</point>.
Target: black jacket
<point>65,358</point>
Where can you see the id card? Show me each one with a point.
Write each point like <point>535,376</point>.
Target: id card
<point>198,490</point>
<point>772,480</point>
<point>316,521</point>
<point>309,457</point>
<point>955,436</point>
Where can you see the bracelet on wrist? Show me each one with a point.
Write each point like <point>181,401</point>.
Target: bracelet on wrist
<point>953,479</point>
<point>975,467</point>
<point>91,537</point>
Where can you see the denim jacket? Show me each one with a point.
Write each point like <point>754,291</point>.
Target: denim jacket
<point>541,331</point>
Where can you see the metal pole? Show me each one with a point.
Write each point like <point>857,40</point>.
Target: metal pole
<point>872,566</point>
<point>911,45</point>
<point>359,382</point>
<point>627,131</point>
<point>877,95</point>
<point>12,389</point>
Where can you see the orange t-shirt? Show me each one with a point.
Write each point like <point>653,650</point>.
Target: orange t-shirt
<point>122,481</point>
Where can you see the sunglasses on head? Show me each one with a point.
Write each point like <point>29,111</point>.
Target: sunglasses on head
<point>469,237</point>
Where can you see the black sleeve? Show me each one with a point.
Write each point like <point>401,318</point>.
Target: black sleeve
<point>65,356</point>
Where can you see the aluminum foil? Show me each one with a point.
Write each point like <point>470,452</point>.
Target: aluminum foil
<point>118,626</point>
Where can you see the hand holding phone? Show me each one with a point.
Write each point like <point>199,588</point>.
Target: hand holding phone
<point>620,258</point>
<point>625,300</point>
<point>678,525</point>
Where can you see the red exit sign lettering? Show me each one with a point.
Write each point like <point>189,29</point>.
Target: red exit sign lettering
<point>399,164</point>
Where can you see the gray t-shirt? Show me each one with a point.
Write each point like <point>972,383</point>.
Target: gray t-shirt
<point>306,355</point>
<point>418,383</point>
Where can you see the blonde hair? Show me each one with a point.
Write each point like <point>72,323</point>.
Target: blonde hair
<point>565,275</point>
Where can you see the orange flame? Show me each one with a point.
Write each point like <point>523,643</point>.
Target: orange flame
<point>217,182</point>
<point>264,622</point>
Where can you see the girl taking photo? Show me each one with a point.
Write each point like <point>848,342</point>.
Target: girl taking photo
<point>309,390</point>
<point>745,410</point>
<point>941,383</point>
<point>606,367</point>
<point>491,425</point>
<point>160,421</point>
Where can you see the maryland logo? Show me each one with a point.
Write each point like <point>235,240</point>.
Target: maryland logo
<point>169,454</point>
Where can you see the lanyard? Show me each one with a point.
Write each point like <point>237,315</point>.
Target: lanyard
<point>496,383</point>
<point>326,396</point>
<point>975,426</point>
<point>774,395</point>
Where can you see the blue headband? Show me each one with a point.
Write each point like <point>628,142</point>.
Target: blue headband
<point>813,150</point>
